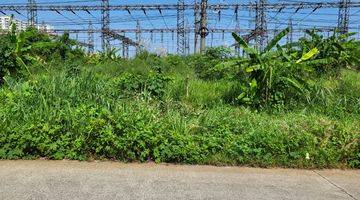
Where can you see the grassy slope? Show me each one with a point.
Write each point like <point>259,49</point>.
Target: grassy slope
<point>80,113</point>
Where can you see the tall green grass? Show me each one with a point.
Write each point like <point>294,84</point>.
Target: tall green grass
<point>82,113</point>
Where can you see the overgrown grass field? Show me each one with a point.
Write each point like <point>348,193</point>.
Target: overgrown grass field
<point>275,108</point>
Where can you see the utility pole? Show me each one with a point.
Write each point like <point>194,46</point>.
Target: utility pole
<point>91,38</point>
<point>181,43</point>
<point>260,24</point>
<point>32,13</point>
<point>105,25</point>
<point>138,36</point>
<point>197,29</point>
<point>203,26</point>
<point>343,18</point>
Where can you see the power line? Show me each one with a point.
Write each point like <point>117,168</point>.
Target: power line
<point>269,17</point>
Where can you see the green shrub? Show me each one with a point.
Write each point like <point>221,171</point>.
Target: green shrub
<point>166,109</point>
<point>153,84</point>
<point>60,115</point>
<point>205,65</point>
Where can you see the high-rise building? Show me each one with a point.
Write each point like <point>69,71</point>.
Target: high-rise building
<point>7,21</point>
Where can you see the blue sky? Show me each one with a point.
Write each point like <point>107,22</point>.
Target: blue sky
<point>122,20</point>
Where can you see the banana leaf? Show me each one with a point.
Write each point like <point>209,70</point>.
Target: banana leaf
<point>282,52</point>
<point>276,39</point>
<point>250,51</point>
<point>346,35</point>
<point>308,55</point>
<point>293,83</point>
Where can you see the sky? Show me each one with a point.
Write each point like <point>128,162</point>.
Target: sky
<point>304,18</point>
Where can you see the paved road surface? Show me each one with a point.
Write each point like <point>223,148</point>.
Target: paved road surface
<point>68,180</point>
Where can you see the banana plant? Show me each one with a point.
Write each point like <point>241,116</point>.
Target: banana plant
<point>334,52</point>
<point>20,53</point>
<point>16,51</point>
<point>269,74</point>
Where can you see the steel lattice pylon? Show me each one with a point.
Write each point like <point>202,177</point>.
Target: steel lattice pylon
<point>181,42</point>
<point>32,13</point>
<point>343,20</point>
<point>105,25</point>
<point>261,24</point>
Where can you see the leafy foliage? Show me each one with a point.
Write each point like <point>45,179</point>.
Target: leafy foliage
<point>181,109</point>
<point>21,49</point>
<point>334,53</point>
<point>205,65</point>
<point>150,85</point>
<point>271,77</point>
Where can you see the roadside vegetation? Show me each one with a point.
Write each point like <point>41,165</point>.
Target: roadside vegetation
<point>289,105</point>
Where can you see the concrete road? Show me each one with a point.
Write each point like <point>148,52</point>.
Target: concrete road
<point>68,180</point>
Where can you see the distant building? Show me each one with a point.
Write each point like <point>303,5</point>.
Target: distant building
<point>6,23</point>
<point>45,28</point>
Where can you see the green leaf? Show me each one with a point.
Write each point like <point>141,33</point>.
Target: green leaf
<point>346,35</point>
<point>241,96</point>
<point>250,51</point>
<point>253,83</point>
<point>227,64</point>
<point>276,39</point>
<point>22,63</point>
<point>323,61</point>
<point>249,69</point>
<point>282,52</point>
<point>294,83</point>
<point>240,41</point>
<point>252,68</point>
<point>308,55</point>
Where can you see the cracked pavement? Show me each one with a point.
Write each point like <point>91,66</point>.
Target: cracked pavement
<point>111,180</point>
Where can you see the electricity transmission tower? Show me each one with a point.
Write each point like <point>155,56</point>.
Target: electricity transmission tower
<point>261,24</point>
<point>196,24</point>
<point>105,25</point>
<point>200,28</point>
<point>32,13</point>
<point>181,42</point>
<point>343,19</point>
<point>203,25</point>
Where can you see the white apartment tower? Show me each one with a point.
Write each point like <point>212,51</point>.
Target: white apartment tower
<point>5,24</point>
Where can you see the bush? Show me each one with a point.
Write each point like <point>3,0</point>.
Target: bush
<point>152,84</point>
<point>57,115</point>
<point>205,65</point>
<point>167,109</point>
